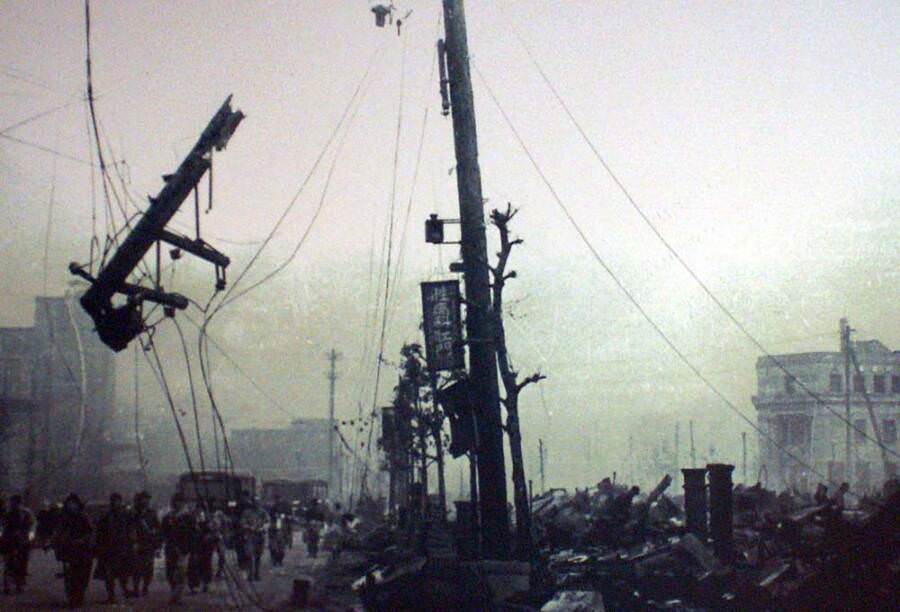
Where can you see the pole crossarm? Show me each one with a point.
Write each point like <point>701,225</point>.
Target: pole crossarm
<point>117,326</point>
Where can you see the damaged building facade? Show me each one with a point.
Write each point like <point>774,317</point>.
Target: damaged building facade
<point>57,394</point>
<point>809,430</point>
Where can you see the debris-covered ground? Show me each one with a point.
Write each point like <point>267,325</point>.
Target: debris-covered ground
<point>612,547</point>
<point>789,552</point>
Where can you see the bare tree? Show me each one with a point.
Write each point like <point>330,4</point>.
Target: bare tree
<point>511,384</point>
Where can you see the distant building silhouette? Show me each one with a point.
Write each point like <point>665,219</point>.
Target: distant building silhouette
<point>57,393</point>
<point>298,452</point>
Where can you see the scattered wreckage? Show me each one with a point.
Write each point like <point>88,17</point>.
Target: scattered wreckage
<point>613,548</point>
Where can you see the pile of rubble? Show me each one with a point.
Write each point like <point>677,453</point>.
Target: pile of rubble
<point>717,547</point>
<point>722,548</point>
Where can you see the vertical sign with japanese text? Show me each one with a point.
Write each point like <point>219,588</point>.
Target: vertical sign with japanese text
<point>443,325</point>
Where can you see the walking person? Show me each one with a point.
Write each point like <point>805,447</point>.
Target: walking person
<point>199,572</point>
<point>218,525</point>
<point>72,543</point>
<point>311,537</point>
<point>114,548</point>
<point>276,541</point>
<point>314,517</point>
<point>17,524</point>
<point>287,529</point>
<point>332,537</point>
<point>177,533</point>
<point>253,533</point>
<point>147,535</point>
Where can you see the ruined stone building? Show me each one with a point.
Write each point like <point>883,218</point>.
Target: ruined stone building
<point>813,433</point>
<point>57,393</point>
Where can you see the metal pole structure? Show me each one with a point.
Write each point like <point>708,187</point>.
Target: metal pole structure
<point>676,468</point>
<point>479,327</point>
<point>693,451</point>
<point>541,459</point>
<point>845,349</point>
<point>744,456</point>
<point>630,459</point>
<point>332,376</point>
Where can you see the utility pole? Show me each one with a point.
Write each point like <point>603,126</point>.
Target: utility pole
<point>630,459</point>
<point>744,455</point>
<point>845,349</point>
<point>541,461</point>
<point>479,326</point>
<point>693,452</point>
<point>332,376</point>
<point>676,470</point>
<point>137,420</point>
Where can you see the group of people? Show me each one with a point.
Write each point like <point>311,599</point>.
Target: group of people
<point>121,545</point>
<point>326,527</point>
<point>125,542</point>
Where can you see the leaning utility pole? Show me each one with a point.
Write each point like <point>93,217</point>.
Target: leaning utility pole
<point>119,325</point>
<point>332,376</point>
<point>845,349</point>
<point>479,327</point>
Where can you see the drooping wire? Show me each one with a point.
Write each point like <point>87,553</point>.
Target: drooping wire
<point>305,182</point>
<point>319,207</point>
<point>412,190</point>
<point>210,340</point>
<point>95,241</point>
<point>49,471</point>
<point>45,149</point>
<point>627,293</point>
<point>106,181</point>
<point>232,581</point>
<point>675,254</point>
<point>96,131</point>
<point>49,228</point>
<point>187,363</point>
<point>160,374</point>
<point>37,116</point>
<point>137,419</point>
<point>390,241</point>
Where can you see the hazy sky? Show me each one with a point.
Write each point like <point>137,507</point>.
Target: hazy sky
<point>761,138</point>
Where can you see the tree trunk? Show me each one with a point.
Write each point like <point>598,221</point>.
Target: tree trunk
<point>520,487</point>
<point>423,469</point>
<point>511,386</point>
<point>442,484</point>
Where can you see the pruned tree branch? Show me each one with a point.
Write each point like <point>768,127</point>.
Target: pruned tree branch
<point>534,378</point>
